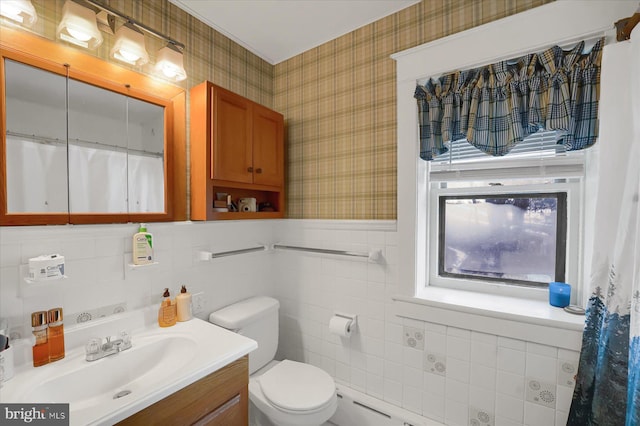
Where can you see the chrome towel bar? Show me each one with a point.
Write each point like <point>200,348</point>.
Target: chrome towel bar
<point>373,256</point>
<point>205,255</point>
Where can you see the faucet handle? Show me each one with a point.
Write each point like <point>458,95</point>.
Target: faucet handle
<point>126,337</point>
<point>93,346</point>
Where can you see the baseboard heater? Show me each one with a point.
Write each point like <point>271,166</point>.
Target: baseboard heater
<point>355,407</point>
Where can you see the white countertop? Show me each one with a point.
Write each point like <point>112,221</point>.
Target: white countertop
<point>160,362</point>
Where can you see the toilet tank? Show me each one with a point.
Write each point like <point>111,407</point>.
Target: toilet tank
<point>257,319</point>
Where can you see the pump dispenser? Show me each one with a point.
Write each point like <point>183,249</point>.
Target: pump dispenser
<point>183,302</point>
<point>142,246</point>
<point>167,313</point>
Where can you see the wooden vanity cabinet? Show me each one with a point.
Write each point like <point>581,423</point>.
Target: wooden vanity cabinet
<point>237,147</point>
<point>219,399</point>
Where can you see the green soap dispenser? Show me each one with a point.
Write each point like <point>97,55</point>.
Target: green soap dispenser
<point>142,246</point>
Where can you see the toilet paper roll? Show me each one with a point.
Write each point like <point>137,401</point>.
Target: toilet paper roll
<point>340,326</point>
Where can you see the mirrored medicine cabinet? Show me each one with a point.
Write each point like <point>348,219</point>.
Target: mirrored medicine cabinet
<point>86,141</point>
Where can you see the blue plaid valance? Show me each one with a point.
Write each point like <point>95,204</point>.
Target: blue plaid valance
<point>496,106</point>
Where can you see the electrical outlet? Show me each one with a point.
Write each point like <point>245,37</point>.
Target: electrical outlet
<point>198,302</point>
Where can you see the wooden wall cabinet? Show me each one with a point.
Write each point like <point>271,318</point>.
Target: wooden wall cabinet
<point>219,399</point>
<point>237,147</point>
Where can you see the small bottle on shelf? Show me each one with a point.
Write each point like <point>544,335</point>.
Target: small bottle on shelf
<point>55,335</point>
<point>41,347</point>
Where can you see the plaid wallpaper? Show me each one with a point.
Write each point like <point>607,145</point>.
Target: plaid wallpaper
<point>338,99</point>
<point>339,103</point>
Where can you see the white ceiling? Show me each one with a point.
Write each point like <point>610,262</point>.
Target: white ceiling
<point>277,30</point>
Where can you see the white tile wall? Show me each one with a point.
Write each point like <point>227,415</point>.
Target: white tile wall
<point>97,261</point>
<point>451,375</point>
<point>480,378</point>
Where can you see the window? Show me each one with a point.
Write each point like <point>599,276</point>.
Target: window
<point>505,224</point>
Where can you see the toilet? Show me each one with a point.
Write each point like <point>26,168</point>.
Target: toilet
<point>286,393</point>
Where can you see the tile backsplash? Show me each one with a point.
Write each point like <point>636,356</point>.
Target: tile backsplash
<point>100,279</point>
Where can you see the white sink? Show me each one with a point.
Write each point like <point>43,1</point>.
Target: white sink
<point>149,361</point>
<point>160,362</point>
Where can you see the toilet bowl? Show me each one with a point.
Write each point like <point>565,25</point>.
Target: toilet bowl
<point>287,393</point>
<point>292,393</point>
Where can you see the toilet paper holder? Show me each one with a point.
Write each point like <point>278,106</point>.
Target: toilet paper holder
<point>353,320</point>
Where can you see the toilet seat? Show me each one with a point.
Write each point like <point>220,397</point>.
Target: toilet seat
<point>287,386</point>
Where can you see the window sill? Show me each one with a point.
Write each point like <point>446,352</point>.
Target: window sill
<point>531,320</point>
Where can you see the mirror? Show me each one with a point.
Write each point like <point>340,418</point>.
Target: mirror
<point>36,164</point>
<point>79,149</point>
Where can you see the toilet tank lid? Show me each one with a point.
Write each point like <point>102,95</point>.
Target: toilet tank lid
<point>240,314</point>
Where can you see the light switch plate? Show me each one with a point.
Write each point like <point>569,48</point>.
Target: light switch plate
<point>198,302</point>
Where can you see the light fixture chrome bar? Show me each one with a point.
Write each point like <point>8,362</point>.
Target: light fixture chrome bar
<point>323,251</point>
<point>134,22</point>
<point>234,252</point>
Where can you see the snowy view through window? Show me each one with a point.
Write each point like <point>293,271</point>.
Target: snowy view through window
<point>503,237</point>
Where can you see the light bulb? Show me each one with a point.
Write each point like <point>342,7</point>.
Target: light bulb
<point>129,46</point>
<point>12,11</point>
<point>78,26</point>
<point>170,63</point>
<point>128,56</point>
<point>20,11</point>
<point>78,34</point>
<point>169,71</point>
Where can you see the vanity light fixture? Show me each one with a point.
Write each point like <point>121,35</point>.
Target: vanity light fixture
<point>129,46</point>
<point>169,60</point>
<point>21,11</point>
<point>170,64</point>
<point>78,26</point>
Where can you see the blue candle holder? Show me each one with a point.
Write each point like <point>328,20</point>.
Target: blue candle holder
<point>559,294</point>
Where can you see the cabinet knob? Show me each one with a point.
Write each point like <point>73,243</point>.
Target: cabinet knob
<point>250,169</point>
<point>258,170</point>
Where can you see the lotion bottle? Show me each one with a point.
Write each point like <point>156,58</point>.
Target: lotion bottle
<point>167,313</point>
<point>142,246</point>
<point>183,302</point>
<point>41,347</point>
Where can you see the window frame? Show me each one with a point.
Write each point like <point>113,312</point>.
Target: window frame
<point>572,186</point>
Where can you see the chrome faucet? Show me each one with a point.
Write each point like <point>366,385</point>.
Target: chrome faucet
<point>96,349</point>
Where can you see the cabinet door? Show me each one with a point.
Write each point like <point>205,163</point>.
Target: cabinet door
<point>231,412</point>
<point>232,149</point>
<point>268,147</point>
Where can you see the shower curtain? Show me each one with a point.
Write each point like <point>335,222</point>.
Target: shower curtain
<point>100,180</point>
<point>37,176</point>
<point>607,388</point>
